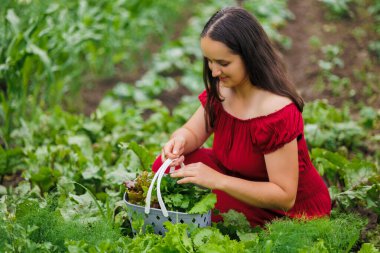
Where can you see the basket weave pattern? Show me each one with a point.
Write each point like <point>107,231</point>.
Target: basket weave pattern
<point>155,218</point>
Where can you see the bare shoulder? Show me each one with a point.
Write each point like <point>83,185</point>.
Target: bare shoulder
<point>270,103</point>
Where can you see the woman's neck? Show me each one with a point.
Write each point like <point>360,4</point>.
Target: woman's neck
<point>245,91</point>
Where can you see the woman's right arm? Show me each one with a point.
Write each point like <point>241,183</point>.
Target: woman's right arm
<point>188,138</point>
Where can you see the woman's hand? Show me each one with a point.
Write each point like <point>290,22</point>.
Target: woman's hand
<point>174,149</point>
<point>199,174</point>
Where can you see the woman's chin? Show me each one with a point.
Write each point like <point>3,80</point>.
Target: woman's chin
<point>225,84</point>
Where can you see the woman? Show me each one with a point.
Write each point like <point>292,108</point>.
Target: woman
<point>259,163</point>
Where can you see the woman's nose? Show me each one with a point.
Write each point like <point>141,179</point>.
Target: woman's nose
<point>215,71</point>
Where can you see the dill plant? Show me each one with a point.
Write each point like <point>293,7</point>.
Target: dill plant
<point>337,234</point>
<point>52,228</point>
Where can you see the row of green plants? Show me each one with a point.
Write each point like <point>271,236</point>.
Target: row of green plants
<point>49,49</point>
<point>74,168</point>
<point>364,38</point>
<point>52,164</point>
<point>178,63</point>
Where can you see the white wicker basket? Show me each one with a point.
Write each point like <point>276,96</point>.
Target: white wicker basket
<point>156,217</point>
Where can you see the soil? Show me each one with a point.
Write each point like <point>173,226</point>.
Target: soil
<point>311,20</point>
<point>300,67</point>
<point>11,180</point>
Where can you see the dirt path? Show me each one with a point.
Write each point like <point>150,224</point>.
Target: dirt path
<point>310,20</point>
<point>307,22</point>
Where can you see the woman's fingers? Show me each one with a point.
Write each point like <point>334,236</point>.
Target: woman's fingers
<point>166,150</point>
<point>177,147</point>
<point>185,180</point>
<point>178,161</point>
<point>163,158</point>
<point>186,175</point>
<point>173,149</point>
<point>199,174</point>
<point>184,172</point>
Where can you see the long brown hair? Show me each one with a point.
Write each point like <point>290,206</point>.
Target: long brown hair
<point>242,33</point>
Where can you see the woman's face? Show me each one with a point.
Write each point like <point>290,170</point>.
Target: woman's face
<point>225,65</point>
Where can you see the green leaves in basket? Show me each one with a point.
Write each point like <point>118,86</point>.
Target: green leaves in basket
<point>138,188</point>
<point>187,198</point>
<point>207,203</point>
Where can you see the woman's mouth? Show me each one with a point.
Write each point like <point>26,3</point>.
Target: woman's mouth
<point>223,79</point>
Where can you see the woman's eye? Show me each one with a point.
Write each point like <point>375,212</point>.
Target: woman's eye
<point>223,64</point>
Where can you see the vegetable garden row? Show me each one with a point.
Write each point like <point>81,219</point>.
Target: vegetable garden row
<point>63,174</point>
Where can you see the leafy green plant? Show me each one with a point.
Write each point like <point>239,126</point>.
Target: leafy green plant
<point>293,235</point>
<point>366,194</point>
<point>374,47</point>
<point>273,16</point>
<point>352,183</point>
<point>331,128</point>
<point>49,227</point>
<point>315,42</point>
<point>318,235</point>
<point>53,148</point>
<point>338,8</point>
<point>186,198</point>
<point>328,64</point>
<point>368,248</point>
<point>46,49</point>
<point>234,224</point>
<point>369,117</point>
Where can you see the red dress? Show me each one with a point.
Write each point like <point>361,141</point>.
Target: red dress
<point>238,150</point>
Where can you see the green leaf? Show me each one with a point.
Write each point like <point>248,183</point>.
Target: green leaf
<point>45,178</point>
<point>206,204</point>
<point>93,127</point>
<point>83,142</point>
<point>368,248</point>
<point>34,49</point>
<point>250,240</point>
<point>210,239</point>
<point>10,160</point>
<point>146,159</point>
<point>14,20</point>
<point>236,221</point>
<point>201,236</point>
<point>177,237</point>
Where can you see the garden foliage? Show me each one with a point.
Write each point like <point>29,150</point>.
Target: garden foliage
<point>73,167</point>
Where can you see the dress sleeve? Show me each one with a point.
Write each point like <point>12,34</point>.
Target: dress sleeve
<point>279,129</point>
<point>203,98</point>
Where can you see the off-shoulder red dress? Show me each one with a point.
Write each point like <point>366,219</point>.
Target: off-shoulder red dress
<point>238,150</point>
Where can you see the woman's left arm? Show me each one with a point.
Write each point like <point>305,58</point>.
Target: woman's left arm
<point>279,193</point>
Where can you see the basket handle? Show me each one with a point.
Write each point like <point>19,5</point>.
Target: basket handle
<point>158,176</point>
